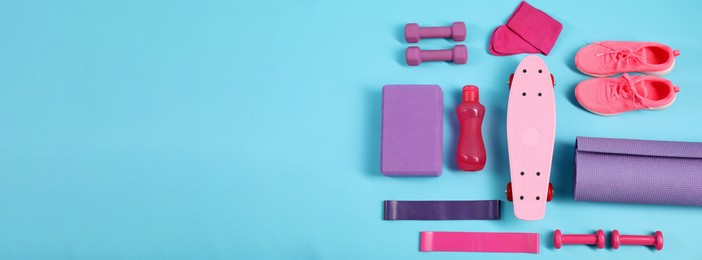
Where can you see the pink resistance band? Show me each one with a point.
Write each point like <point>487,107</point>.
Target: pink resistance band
<point>479,242</point>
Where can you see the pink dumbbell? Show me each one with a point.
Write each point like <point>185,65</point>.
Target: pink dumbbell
<point>584,239</point>
<point>415,56</point>
<point>655,240</point>
<point>413,33</point>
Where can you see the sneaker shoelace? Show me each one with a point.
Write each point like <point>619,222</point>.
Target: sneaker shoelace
<point>624,88</point>
<point>624,56</point>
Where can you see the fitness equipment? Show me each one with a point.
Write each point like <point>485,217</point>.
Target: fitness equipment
<point>470,154</point>
<point>638,171</point>
<point>531,130</point>
<point>415,56</point>
<point>414,33</point>
<point>442,210</point>
<point>412,125</point>
<point>560,239</point>
<point>656,240</point>
<point>479,242</point>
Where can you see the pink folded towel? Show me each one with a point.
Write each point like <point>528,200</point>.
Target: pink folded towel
<point>528,30</point>
<point>508,43</point>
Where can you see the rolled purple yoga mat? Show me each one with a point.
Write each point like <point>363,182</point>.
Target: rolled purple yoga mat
<point>638,171</point>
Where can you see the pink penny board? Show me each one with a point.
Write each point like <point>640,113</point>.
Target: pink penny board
<point>531,129</point>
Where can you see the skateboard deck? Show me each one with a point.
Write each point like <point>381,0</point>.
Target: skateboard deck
<point>531,129</point>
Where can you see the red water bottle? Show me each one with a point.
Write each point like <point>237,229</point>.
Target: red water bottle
<point>470,154</point>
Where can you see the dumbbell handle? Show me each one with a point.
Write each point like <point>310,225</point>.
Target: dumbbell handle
<point>586,239</point>
<point>414,33</point>
<point>637,240</point>
<point>436,32</point>
<point>434,55</point>
<point>655,240</point>
<point>581,239</point>
<point>458,54</point>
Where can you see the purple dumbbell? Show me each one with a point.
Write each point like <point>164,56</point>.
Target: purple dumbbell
<point>413,33</point>
<point>415,56</point>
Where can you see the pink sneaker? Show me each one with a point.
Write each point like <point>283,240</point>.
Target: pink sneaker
<point>604,59</point>
<point>611,96</point>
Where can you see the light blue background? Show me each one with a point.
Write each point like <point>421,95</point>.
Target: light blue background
<point>251,129</point>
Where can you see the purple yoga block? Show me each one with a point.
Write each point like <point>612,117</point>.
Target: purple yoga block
<point>638,171</point>
<point>412,130</point>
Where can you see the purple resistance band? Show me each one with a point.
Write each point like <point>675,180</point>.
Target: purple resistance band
<point>638,171</point>
<point>442,210</point>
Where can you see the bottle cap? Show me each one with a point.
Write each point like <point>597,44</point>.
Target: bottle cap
<point>471,94</point>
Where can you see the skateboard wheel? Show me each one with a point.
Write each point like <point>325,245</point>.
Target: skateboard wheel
<point>549,194</point>
<point>553,80</point>
<point>508,192</point>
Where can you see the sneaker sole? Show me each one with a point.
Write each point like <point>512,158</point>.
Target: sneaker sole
<point>654,73</point>
<point>653,108</point>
